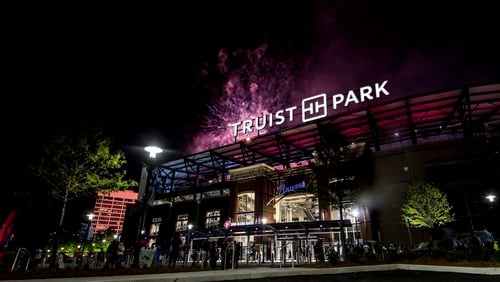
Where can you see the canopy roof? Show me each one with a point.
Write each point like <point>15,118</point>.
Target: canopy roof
<point>427,117</point>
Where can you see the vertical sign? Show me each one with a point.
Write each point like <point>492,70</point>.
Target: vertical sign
<point>142,183</point>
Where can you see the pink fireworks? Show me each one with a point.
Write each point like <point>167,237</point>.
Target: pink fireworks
<point>253,85</point>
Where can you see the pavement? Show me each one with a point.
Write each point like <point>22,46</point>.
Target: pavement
<point>268,272</point>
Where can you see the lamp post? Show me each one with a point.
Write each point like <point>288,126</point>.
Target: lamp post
<point>144,187</point>
<point>355,213</point>
<point>90,217</point>
<point>190,241</point>
<point>264,221</point>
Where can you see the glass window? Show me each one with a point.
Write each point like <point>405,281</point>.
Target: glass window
<point>182,222</point>
<point>213,219</point>
<point>298,208</point>
<point>155,227</point>
<point>246,208</point>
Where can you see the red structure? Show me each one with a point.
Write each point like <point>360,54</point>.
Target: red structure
<point>110,210</point>
<point>6,233</point>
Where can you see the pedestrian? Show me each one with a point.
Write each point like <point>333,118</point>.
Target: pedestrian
<point>213,254</point>
<point>237,253</point>
<point>205,249</point>
<point>175,245</point>
<point>111,254</point>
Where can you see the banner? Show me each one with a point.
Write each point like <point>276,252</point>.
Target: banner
<point>143,183</point>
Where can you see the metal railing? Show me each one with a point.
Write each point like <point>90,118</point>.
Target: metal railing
<point>232,257</point>
<point>21,253</point>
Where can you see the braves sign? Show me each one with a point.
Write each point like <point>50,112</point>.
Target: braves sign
<point>288,189</point>
<point>313,108</point>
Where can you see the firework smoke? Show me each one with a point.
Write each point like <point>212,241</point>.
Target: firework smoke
<point>253,84</point>
<point>347,45</point>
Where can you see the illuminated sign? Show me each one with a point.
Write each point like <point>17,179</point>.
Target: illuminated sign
<point>292,184</point>
<point>288,189</point>
<point>313,108</point>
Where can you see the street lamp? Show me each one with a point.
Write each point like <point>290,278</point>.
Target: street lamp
<point>153,150</point>
<point>491,198</point>
<point>190,226</point>
<point>355,213</point>
<point>144,187</point>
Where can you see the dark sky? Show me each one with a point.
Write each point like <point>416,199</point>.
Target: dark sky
<point>130,67</point>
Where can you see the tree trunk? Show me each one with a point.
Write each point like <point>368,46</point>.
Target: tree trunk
<point>63,210</point>
<point>57,237</point>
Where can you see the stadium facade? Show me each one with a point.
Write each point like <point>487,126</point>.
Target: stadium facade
<point>284,189</point>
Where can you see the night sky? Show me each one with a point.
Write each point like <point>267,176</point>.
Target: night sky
<point>129,67</point>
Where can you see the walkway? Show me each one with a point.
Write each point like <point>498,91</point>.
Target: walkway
<point>267,272</point>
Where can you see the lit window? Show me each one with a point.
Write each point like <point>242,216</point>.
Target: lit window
<point>213,219</point>
<point>246,208</point>
<point>182,222</point>
<point>155,226</point>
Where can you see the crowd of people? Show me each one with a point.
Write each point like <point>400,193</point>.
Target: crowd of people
<point>201,253</point>
<point>204,253</point>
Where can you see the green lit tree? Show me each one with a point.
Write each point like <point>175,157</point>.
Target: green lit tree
<point>80,164</point>
<point>425,206</point>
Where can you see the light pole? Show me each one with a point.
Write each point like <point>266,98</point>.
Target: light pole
<point>90,217</point>
<point>355,213</point>
<point>144,187</point>
<point>190,241</point>
<point>264,221</point>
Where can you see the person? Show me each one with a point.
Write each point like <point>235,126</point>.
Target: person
<point>60,260</point>
<point>213,254</point>
<point>253,252</point>
<point>111,254</point>
<point>194,258</point>
<point>159,255</point>
<point>120,253</point>
<point>318,251</point>
<point>205,248</point>
<point>100,257</point>
<point>485,237</point>
<point>237,253</point>
<point>283,251</point>
<point>175,245</point>
<point>136,251</point>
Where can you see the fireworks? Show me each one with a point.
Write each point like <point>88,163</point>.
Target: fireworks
<point>253,85</point>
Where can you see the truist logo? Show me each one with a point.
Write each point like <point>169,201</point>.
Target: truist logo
<point>313,108</point>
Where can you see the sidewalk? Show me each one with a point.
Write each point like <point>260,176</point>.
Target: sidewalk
<point>266,272</point>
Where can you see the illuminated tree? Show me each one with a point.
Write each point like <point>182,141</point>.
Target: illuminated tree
<point>80,164</point>
<point>425,206</point>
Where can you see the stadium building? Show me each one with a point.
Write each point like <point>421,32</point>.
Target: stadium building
<point>282,191</point>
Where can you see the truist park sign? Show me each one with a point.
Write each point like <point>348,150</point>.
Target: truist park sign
<point>313,108</point>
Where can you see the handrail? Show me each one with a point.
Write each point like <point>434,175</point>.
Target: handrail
<point>17,256</point>
<point>293,257</point>
<point>225,256</point>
